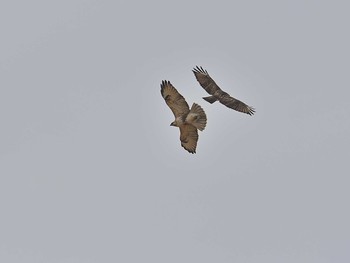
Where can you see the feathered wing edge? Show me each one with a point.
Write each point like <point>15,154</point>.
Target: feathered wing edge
<point>200,70</point>
<point>175,101</point>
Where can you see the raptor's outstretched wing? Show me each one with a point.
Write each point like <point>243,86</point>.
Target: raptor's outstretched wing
<point>235,104</point>
<point>189,137</point>
<point>206,81</point>
<point>174,99</point>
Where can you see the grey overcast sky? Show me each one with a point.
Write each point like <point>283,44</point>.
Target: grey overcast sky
<point>91,171</point>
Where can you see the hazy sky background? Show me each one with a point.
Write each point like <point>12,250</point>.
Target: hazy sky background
<point>91,171</point>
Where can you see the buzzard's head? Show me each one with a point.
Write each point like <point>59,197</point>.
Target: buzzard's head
<point>173,124</point>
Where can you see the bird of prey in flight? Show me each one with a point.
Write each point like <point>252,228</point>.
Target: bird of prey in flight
<point>188,120</point>
<point>216,93</point>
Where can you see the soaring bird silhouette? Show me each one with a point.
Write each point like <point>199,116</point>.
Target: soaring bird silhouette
<point>188,120</point>
<point>216,93</point>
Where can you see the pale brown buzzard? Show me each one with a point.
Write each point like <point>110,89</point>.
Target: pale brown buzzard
<point>188,120</point>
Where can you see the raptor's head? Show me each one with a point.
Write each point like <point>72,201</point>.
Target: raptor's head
<point>173,124</point>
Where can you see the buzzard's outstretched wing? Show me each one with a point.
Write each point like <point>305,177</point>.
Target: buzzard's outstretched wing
<point>174,99</point>
<point>213,89</point>
<point>206,81</point>
<point>189,137</point>
<point>235,104</point>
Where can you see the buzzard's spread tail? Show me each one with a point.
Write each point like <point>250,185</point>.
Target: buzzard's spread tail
<point>197,117</point>
<point>210,99</point>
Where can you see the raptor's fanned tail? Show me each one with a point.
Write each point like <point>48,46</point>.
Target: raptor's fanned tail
<point>210,99</point>
<point>197,117</point>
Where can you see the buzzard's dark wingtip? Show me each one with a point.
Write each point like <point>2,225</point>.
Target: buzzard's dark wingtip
<point>200,70</point>
<point>162,87</point>
<point>190,151</point>
<point>251,111</point>
<point>163,84</point>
